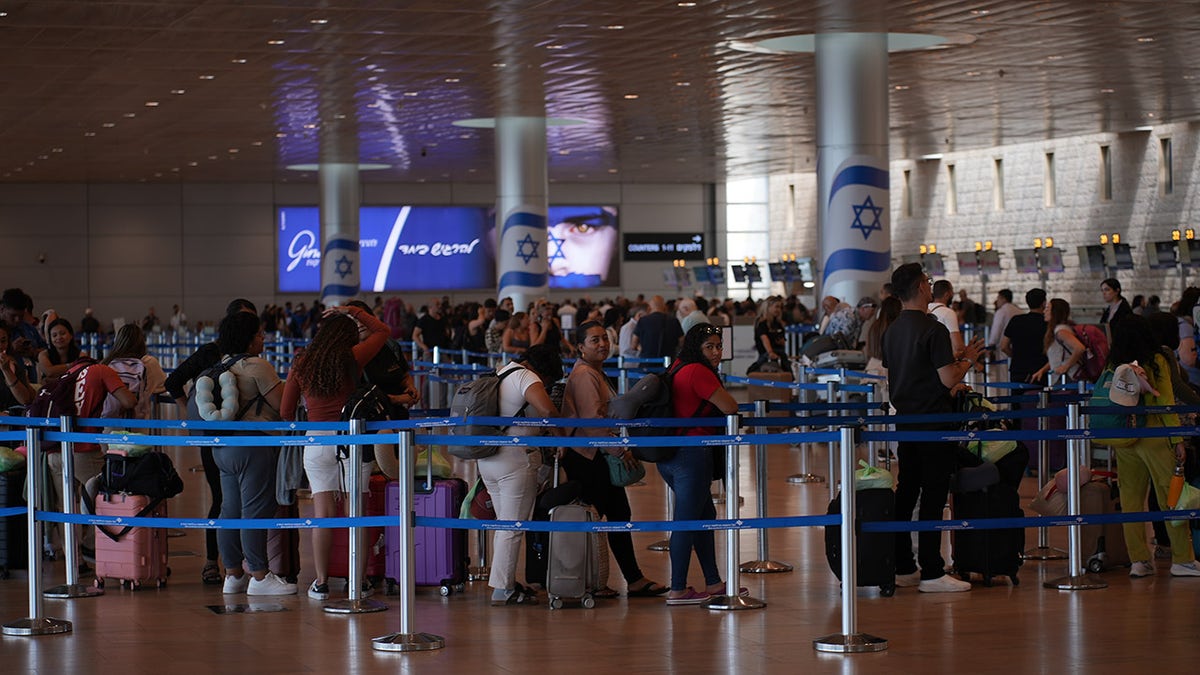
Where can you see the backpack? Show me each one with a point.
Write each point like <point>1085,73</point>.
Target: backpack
<point>368,403</point>
<point>57,398</point>
<point>1096,343</point>
<point>649,397</point>
<point>133,374</point>
<point>216,392</point>
<point>478,398</point>
<point>1099,423</point>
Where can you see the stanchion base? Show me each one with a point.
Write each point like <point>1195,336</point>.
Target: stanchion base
<point>732,602</point>
<point>720,499</point>
<point>857,643</point>
<point>408,642</point>
<point>44,626</point>
<point>69,591</point>
<point>1044,553</point>
<point>1079,582</point>
<point>354,607</point>
<point>478,573</point>
<point>661,545</point>
<point>764,567</point>
<point>801,478</point>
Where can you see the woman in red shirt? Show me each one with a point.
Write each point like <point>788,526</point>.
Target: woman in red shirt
<point>326,375</point>
<point>696,391</point>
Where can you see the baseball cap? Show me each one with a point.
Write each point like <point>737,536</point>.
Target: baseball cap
<point>867,301</point>
<point>1126,390</point>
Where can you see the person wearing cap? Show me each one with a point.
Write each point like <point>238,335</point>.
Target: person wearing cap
<point>867,309</point>
<point>1148,462</point>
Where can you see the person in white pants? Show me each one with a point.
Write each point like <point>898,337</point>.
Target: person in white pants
<point>510,475</point>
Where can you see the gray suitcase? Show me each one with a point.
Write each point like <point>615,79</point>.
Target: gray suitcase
<point>572,567</point>
<point>1104,545</point>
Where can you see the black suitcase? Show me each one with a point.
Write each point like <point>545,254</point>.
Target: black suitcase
<point>13,534</point>
<point>876,550</point>
<point>992,553</point>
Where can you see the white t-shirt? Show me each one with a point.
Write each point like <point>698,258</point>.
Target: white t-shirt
<point>1057,353</point>
<point>512,396</point>
<point>256,376</point>
<point>945,315</point>
<point>626,340</point>
<point>1000,321</point>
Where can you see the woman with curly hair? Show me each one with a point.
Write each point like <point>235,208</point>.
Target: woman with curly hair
<point>326,375</point>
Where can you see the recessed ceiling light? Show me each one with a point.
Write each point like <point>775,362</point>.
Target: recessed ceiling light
<point>1106,90</point>
<point>683,84</point>
<point>43,156</point>
<point>556,46</point>
<point>685,4</point>
<point>109,125</point>
<point>639,138</point>
<point>193,163</point>
<point>564,152</point>
<point>471,170</point>
<point>56,149</point>
<point>179,92</point>
<point>901,87</point>
<point>275,42</point>
<point>89,134</point>
<point>175,169</point>
<point>499,65</point>
<point>972,73</point>
<point>151,104</point>
<point>411,94</point>
<point>212,156</point>
<point>208,77</point>
<point>233,150</point>
<point>256,143</point>
<point>238,61</point>
<point>130,115</point>
<point>310,126</point>
<point>158,174</point>
<point>318,22</point>
<point>465,136</point>
<point>451,80</point>
<point>280,135</point>
<point>3,14</point>
<point>339,116</point>
<point>631,96</point>
<point>682,129</point>
<point>980,12</point>
<point>613,26</point>
<point>1145,39</point>
<point>612,170</point>
<point>1055,57</point>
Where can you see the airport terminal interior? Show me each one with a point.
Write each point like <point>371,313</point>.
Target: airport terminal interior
<point>172,153</point>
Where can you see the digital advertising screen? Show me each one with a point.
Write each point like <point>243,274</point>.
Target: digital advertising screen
<point>401,248</point>
<point>582,243</point>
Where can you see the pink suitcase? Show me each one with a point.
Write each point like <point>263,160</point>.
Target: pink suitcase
<point>440,554</point>
<point>339,553</point>
<point>140,555</point>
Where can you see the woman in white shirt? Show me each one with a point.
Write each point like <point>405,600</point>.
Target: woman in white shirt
<point>1064,351</point>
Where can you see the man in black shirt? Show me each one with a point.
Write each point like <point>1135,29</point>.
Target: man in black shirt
<point>1024,337</point>
<point>924,374</point>
<point>657,333</point>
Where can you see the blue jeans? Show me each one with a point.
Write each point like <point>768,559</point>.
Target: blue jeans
<point>689,475</point>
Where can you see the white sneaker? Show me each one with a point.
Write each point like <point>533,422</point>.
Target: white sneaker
<point>270,585</point>
<point>908,580</point>
<point>1143,568</point>
<point>943,584</point>
<point>235,585</point>
<point>1188,569</point>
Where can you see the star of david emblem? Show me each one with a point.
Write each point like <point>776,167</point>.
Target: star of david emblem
<point>529,254</point>
<point>875,211</point>
<point>556,252</point>
<point>343,266</point>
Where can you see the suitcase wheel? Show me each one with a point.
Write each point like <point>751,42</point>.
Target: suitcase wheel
<point>162,582</point>
<point>1095,565</point>
<point>887,590</point>
<point>460,588</point>
<point>445,590</point>
<point>98,583</point>
<point>556,603</point>
<point>587,601</point>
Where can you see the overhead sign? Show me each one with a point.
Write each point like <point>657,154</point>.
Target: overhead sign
<point>663,246</point>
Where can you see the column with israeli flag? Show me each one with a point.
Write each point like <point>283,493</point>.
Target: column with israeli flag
<point>521,207</point>
<point>852,163</point>
<point>340,197</point>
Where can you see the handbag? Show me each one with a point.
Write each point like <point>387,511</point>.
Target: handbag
<point>622,475</point>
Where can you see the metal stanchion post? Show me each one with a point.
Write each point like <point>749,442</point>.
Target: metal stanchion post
<point>732,600</point>
<point>1043,550</point>
<point>764,564</point>
<point>871,454</point>
<point>830,395</point>
<point>661,544</point>
<point>623,377</point>
<point>805,476</point>
<point>1077,579</point>
<point>849,641</point>
<point>72,589</point>
<point>407,640</point>
<point>35,623</point>
<point>356,604</point>
<point>481,571</point>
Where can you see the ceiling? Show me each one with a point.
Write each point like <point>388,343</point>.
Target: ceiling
<point>237,90</point>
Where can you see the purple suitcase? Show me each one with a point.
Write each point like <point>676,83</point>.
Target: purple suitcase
<point>440,554</point>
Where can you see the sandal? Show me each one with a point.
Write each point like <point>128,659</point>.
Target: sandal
<point>605,593</point>
<point>211,574</point>
<point>648,590</point>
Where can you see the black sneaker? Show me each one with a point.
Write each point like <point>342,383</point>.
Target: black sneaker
<point>318,591</point>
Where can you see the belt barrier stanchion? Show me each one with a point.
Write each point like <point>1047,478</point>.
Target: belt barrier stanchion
<point>764,564</point>
<point>356,604</point>
<point>871,454</point>
<point>481,571</point>
<point>35,623</point>
<point>732,600</point>
<point>72,589</point>
<point>849,641</point>
<point>805,476</point>
<point>623,378</point>
<point>1043,550</point>
<point>830,395</point>
<point>1077,578</point>
<point>435,400</point>
<point>661,544</point>
<point>407,640</point>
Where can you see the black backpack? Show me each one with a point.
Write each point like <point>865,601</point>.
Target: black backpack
<point>649,397</point>
<point>368,403</point>
<point>152,475</point>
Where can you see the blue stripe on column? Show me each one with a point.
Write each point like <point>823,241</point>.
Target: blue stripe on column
<point>529,279</point>
<point>857,259</point>
<point>339,290</point>
<point>523,219</point>
<point>341,245</point>
<point>859,174</point>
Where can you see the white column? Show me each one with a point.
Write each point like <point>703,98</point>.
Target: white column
<point>521,207</point>
<point>340,199</point>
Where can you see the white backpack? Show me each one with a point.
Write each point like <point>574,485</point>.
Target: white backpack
<point>133,374</point>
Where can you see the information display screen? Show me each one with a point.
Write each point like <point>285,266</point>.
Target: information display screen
<point>1026,260</point>
<point>662,246</point>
